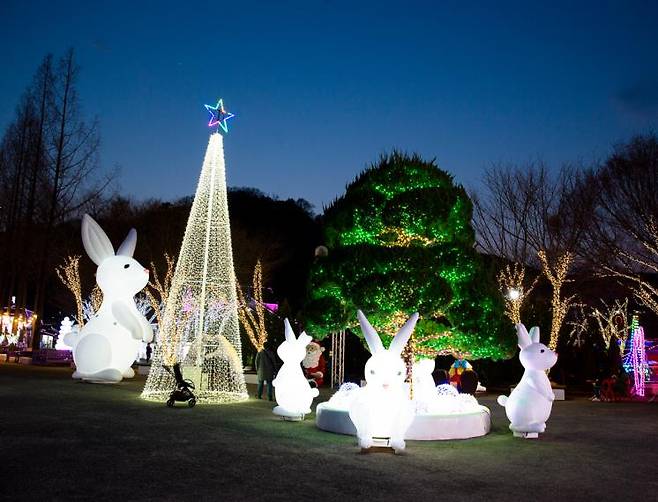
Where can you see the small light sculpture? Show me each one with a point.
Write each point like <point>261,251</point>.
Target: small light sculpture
<point>529,405</point>
<point>294,394</point>
<point>382,411</point>
<point>104,350</point>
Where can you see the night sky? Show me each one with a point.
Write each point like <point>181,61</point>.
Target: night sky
<point>321,89</point>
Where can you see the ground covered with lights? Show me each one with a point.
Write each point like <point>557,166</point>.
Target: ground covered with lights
<point>66,439</point>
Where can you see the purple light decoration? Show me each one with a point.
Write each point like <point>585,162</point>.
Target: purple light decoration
<point>272,307</point>
<point>638,360</point>
<point>219,115</point>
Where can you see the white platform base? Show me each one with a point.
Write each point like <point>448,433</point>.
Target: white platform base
<point>288,415</point>
<point>526,435</point>
<point>424,427</point>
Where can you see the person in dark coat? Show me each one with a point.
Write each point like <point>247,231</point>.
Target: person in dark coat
<point>266,368</point>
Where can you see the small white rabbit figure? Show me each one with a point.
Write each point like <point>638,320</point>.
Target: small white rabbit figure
<point>424,386</point>
<point>382,409</point>
<point>529,405</point>
<point>294,394</point>
<point>107,345</point>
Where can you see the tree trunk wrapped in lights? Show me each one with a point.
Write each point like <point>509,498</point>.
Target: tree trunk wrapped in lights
<point>254,325</point>
<point>511,282</point>
<point>161,287</point>
<point>400,241</point>
<point>69,274</point>
<point>556,273</point>
<point>200,323</point>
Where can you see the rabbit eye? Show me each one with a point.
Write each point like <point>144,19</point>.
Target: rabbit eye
<point>542,351</point>
<point>126,265</point>
<point>372,372</point>
<point>399,373</point>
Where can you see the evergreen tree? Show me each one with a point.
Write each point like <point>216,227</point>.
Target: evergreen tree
<point>400,240</point>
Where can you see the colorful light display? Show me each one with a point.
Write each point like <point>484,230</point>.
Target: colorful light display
<point>636,358</point>
<point>399,241</point>
<point>200,323</point>
<point>218,115</point>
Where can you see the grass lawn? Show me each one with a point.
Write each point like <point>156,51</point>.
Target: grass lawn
<point>61,439</point>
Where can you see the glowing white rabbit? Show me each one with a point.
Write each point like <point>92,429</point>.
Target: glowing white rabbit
<point>107,345</point>
<point>529,405</point>
<point>382,408</point>
<point>294,395</point>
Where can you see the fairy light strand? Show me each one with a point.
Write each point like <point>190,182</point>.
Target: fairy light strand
<point>200,327</point>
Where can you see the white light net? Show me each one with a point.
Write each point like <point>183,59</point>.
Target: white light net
<point>200,323</point>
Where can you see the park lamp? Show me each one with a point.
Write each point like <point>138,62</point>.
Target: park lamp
<point>513,294</point>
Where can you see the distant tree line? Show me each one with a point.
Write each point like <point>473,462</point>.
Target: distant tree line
<point>586,236</point>
<point>49,173</point>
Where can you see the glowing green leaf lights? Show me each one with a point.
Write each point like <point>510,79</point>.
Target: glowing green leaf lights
<point>400,240</point>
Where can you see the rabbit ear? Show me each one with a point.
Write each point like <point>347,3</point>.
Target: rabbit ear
<point>371,336</point>
<point>95,241</point>
<point>523,336</point>
<point>127,247</point>
<point>534,334</point>
<point>402,336</point>
<point>304,339</point>
<point>290,334</point>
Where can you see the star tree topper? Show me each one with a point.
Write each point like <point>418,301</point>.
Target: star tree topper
<point>219,115</point>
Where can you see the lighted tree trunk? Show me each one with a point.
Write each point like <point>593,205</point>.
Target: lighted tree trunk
<point>556,273</point>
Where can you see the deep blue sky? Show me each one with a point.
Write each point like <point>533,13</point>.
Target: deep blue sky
<point>320,89</point>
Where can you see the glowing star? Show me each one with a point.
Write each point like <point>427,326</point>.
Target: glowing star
<point>218,115</point>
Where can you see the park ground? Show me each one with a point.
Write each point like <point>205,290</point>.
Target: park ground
<point>67,440</point>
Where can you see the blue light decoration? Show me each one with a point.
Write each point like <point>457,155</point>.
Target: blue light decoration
<point>219,115</point>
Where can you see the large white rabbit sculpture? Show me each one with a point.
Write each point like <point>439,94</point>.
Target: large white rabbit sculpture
<point>382,409</point>
<point>107,345</point>
<point>529,405</point>
<point>294,394</point>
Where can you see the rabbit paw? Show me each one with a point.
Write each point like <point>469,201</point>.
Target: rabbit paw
<point>398,445</point>
<point>365,442</point>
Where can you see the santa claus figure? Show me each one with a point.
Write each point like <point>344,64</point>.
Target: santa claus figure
<point>314,364</point>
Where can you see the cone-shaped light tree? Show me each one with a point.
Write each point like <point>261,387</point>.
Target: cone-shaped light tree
<point>400,241</point>
<point>200,322</point>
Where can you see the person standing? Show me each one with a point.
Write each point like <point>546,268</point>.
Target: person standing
<point>266,368</point>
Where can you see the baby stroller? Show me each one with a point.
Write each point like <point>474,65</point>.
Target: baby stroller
<point>183,391</point>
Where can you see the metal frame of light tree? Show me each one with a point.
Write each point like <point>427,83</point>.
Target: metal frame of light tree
<point>200,327</point>
<point>337,358</point>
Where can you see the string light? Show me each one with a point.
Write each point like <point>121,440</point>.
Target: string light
<point>613,321</point>
<point>636,359</point>
<point>160,287</point>
<point>69,274</point>
<point>400,240</point>
<point>557,276</point>
<point>511,282</point>
<point>254,325</point>
<point>200,327</point>
<point>218,115</point>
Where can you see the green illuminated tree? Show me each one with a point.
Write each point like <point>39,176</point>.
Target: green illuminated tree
<point>400,240</point>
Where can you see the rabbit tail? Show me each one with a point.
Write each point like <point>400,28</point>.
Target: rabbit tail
<point>502,400</point>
